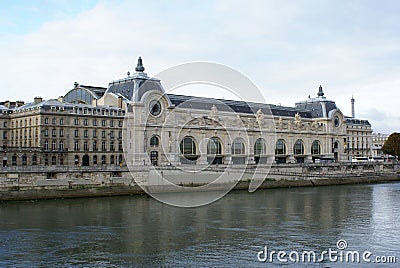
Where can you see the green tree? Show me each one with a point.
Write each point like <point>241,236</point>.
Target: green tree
<point>392,145</point>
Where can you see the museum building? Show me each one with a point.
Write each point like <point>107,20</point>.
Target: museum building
<point>92,126</point>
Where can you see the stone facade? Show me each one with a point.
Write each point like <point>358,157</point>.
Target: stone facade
<point>182,130</point>
<point>359,138</point>
<point>378,140</point>
<point>55,133</point>
<point>86,128</point>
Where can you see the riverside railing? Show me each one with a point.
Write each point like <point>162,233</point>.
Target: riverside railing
<point>305,167</point>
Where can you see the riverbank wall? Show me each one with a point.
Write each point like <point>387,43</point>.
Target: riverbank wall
<point>69,182</point>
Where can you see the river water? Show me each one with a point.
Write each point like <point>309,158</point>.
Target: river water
<point>138,231</point>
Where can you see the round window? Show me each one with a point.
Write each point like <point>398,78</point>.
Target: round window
<point>155,107</point>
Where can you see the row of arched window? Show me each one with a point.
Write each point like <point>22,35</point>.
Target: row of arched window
<point>54,160</point>
<point>112,160</point>
<point>188,146</point>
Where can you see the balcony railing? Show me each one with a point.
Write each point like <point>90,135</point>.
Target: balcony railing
<point>55,150</point>
<point>21,149</point>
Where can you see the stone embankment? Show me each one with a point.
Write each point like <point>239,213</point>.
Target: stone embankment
<point>27,183</point>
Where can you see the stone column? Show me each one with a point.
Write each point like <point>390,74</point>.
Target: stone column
<point>202,150</point>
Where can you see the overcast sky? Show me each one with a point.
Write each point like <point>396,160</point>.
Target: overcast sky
<point>287,48</point>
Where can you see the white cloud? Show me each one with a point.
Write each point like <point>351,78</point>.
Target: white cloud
<point>287,49</point>
<point>381,121</point>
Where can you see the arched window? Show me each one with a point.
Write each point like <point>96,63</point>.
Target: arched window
<point>214,146</point>
<point>316,147</point>
<point>188,146</point>
<point>280,148</point>
<point>259,147</point>
<point>95,160</point>
<point>103,159</point>
<point>188,151</point>
<point>154,141</point>
<point>238,146</point>
<point>214,151</point>
<point>298,148</point>
<point>85,160</point>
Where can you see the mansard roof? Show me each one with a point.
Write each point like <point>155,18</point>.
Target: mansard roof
<point>42,104</point>
<point>319,106</point>
<point>50,104</point>
<point>134,86</point>
<point>354,121</point>
<point>192,102</point>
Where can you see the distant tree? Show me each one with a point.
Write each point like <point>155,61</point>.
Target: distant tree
<point>392,145</point>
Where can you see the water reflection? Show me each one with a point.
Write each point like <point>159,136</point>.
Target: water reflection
<point>137,230</point>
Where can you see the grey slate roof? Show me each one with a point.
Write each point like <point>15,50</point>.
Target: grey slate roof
<point>2,108</point>
<point>125,88</point>
<point>48,104</point>
<point>133,87</point>
<point>192,102</point>
<point>45,103</point>
<point>318,107</point>
<point>354,121</point>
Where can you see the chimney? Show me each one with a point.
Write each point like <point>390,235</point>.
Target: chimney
<point>38,100</point>
<point>353,113</point>
<point>19,103</point>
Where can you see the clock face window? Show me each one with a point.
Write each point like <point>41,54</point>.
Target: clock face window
<point>155,108</point>
<point>337,122</point>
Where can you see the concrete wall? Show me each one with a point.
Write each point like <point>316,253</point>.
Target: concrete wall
<point>79,182</point>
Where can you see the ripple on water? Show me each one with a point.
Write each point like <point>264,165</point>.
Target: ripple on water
<point>138,231</point>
